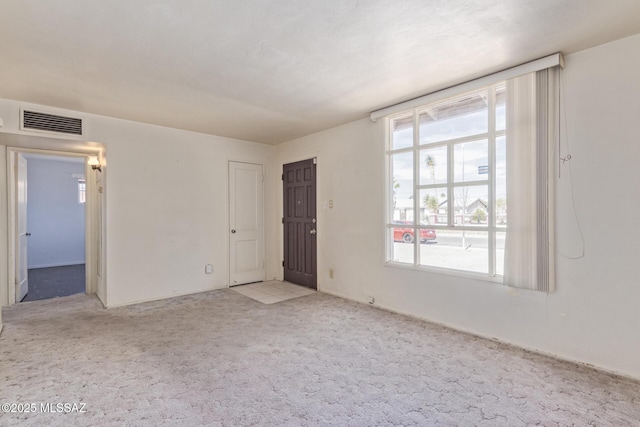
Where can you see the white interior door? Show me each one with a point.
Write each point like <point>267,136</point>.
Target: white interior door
<point>246,223</point>
<point>22,273</point>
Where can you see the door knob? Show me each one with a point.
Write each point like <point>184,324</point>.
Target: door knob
<point>233,231</point>
<point>312,232</point>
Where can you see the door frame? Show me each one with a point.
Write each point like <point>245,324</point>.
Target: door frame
<point>319,214</point>
<point>228,214</point>
<point>90,212</point>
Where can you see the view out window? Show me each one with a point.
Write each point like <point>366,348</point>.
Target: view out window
<point>82,191</point>
<point>448,203</point>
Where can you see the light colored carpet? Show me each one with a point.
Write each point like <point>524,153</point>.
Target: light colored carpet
<point>220,358</point>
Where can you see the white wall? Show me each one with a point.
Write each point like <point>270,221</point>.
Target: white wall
<point>594,316</point>
<point>55,218</point>
<point>167,208</point>
<point>166,216</point>
<point>166,205</point>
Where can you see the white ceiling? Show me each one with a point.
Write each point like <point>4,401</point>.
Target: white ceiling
<point>272,70</point>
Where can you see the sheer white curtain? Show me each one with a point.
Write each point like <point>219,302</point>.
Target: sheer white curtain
<point>531,137</point>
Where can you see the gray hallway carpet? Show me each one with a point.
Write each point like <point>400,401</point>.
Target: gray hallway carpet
<point>219,358</point>
<point>54,282</point>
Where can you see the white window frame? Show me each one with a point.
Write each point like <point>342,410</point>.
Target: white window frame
<point>492,228</point>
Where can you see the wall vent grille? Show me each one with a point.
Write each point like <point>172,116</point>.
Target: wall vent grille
<point>50,122</point>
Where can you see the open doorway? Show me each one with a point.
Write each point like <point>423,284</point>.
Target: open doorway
<point>91,157</point>
<point>51,226</point>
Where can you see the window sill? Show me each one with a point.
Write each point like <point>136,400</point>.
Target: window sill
<point>445,272</point>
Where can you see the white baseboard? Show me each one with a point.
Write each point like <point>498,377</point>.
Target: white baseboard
<point>487,337</point>
<point>161,297</point>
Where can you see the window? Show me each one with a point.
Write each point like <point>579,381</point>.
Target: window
<point>471,177</point>
<point>82,191</point>
<point>447,163</point>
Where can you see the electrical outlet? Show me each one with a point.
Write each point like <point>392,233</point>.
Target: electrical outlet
<point>371,299</point>
<point>208,269</point>
<point>331,273</point>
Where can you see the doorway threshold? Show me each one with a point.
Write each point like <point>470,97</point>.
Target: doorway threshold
<point>272,292</point>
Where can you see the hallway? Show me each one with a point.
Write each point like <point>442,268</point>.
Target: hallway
<point>52,282</point>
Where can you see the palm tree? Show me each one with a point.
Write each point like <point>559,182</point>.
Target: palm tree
<point>431,164</point>
<point>431,203</point>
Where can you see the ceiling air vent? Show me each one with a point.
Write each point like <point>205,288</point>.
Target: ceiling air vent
<point>33,120</point>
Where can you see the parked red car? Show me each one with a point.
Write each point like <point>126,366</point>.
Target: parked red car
<point>406,235</point>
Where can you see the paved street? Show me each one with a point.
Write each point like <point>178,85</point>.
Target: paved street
<point>475,239</point>
<point>447,251</point>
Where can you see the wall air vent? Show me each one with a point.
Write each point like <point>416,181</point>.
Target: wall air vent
<point>34,120</point>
